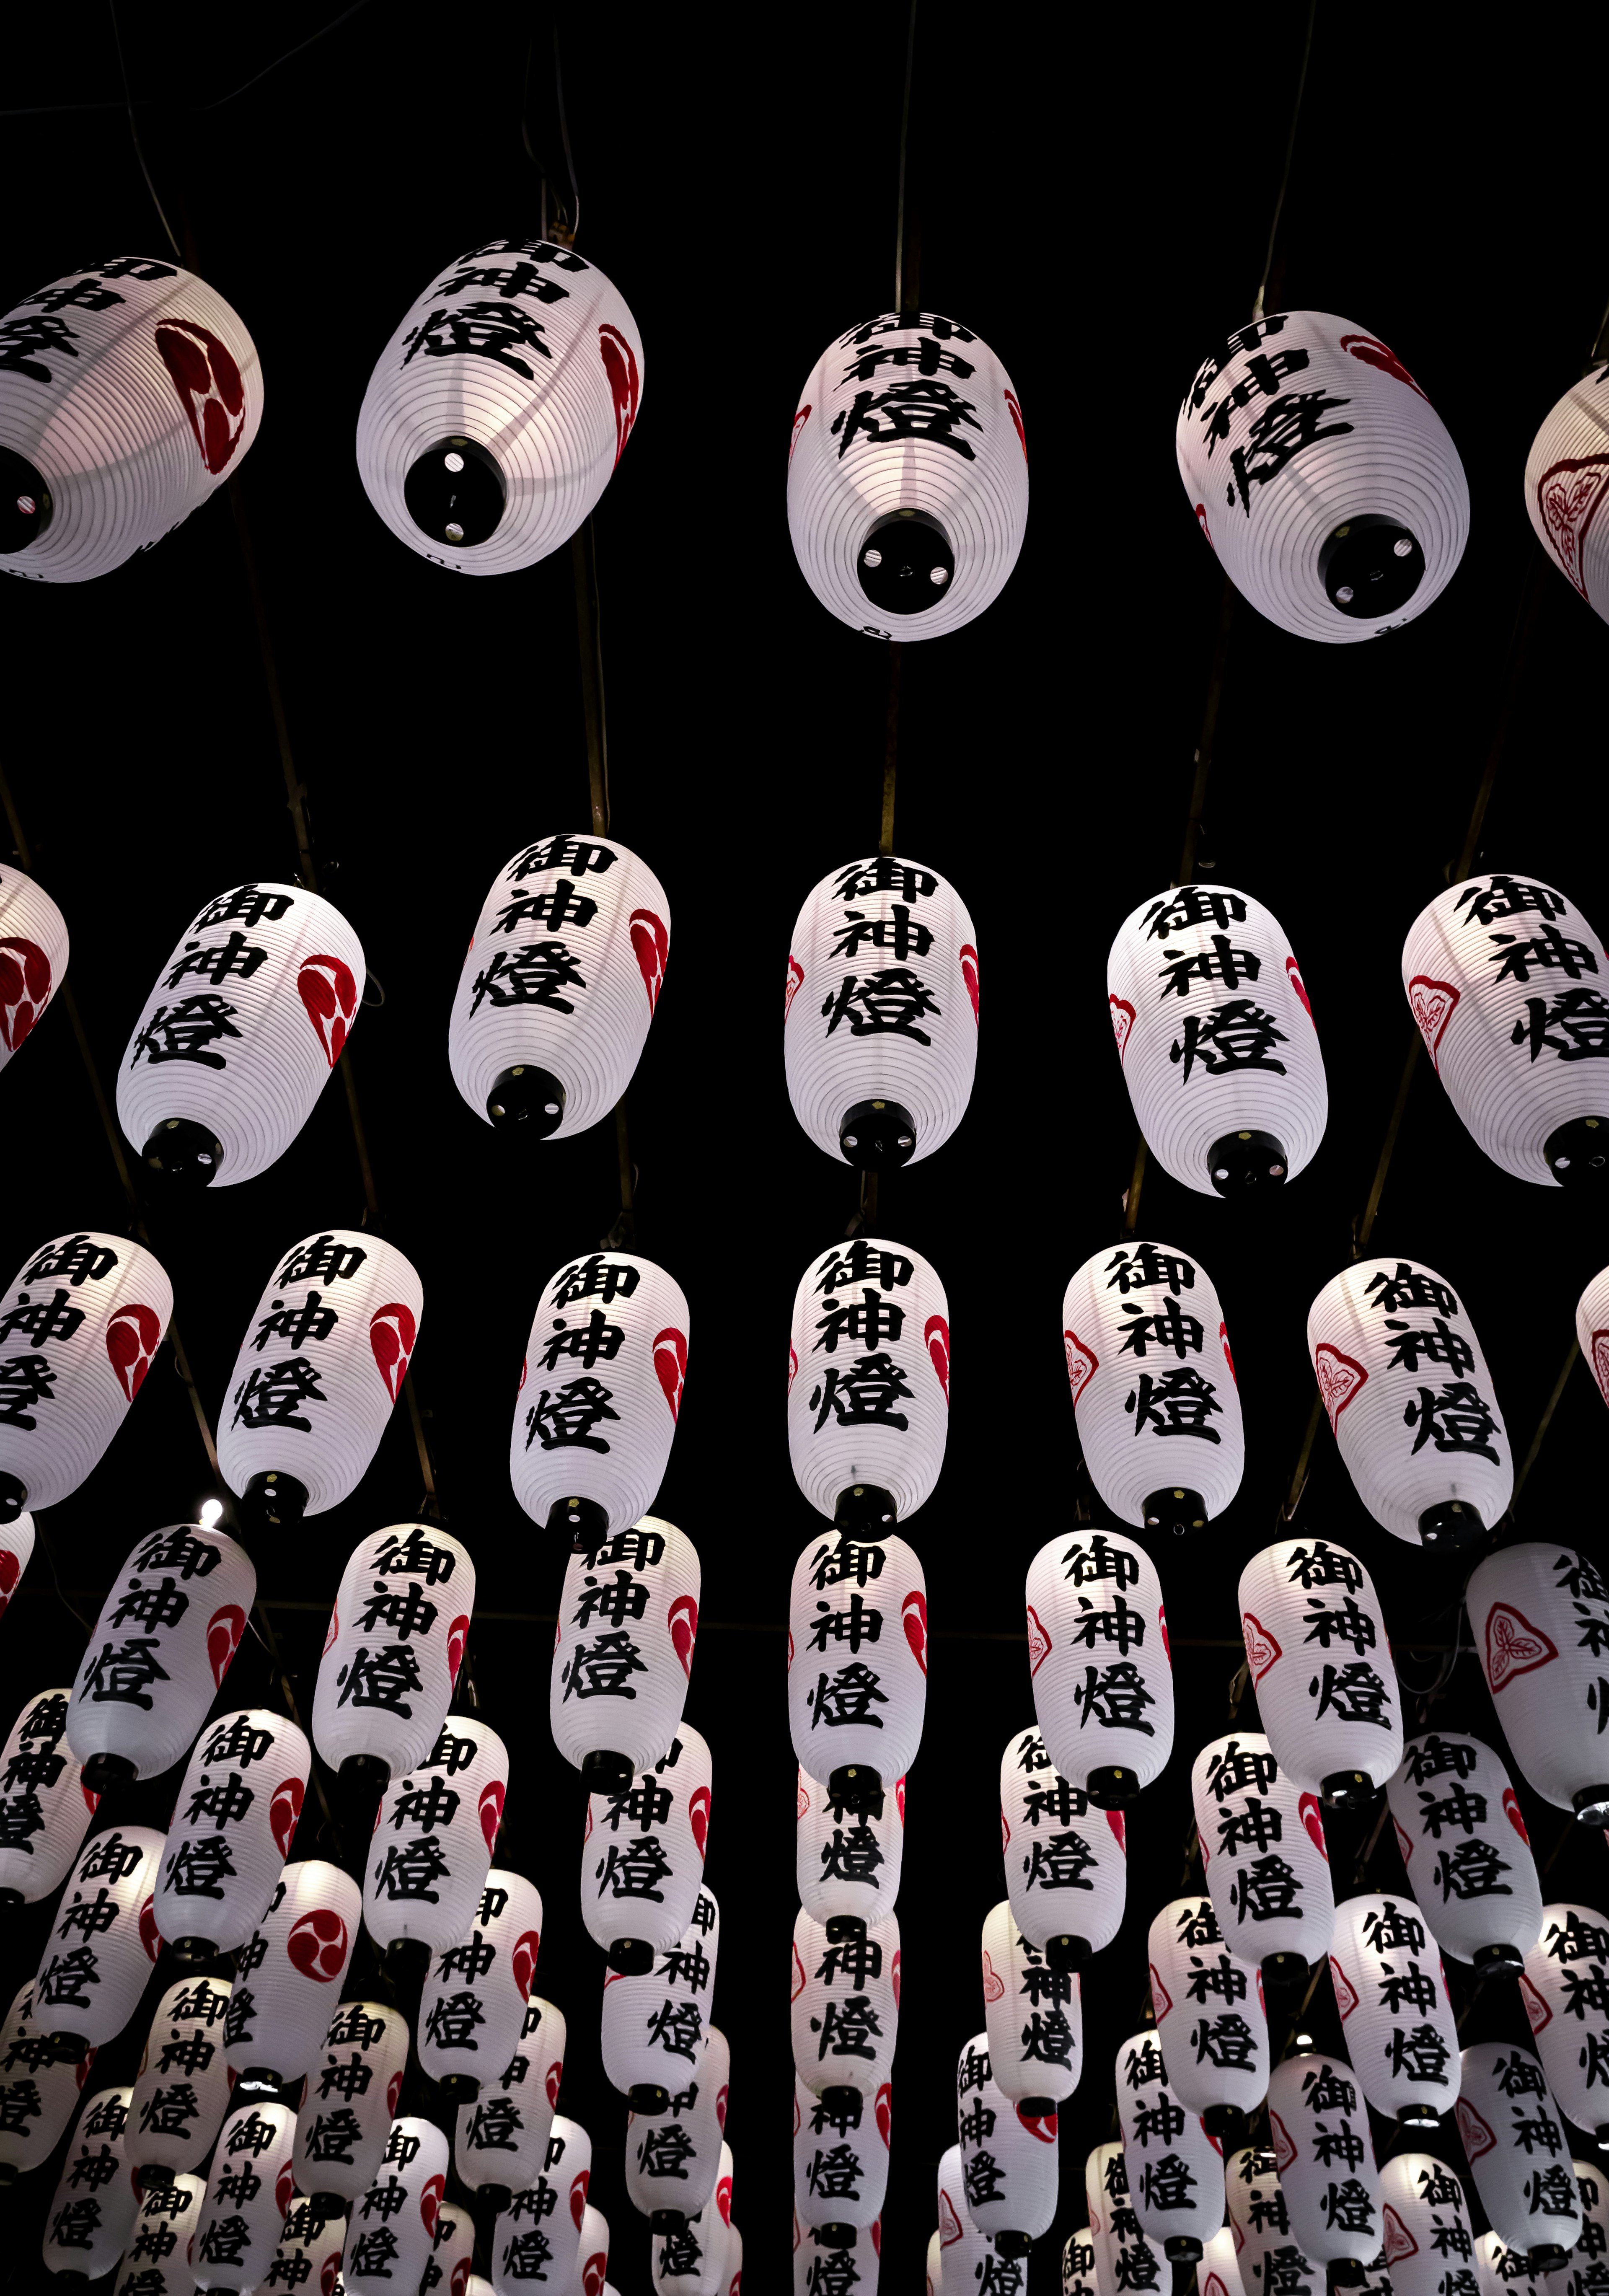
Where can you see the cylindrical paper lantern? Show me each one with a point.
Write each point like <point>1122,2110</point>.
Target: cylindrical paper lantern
<point>672,2157</point>
<point>1034,2018</point>
<point>1078,2264</point>
<point>92,2212</point>
<point>1539,1617</point>
<point>1322,476</point>
<point>1410,1400</point>
<point>1396,2015</point>
<point>1154,1388</point>
<point>1467,1854</point>
<point>1271,2262</point>
<point>40,2082</point>
<point>1426,2217</point>
<point>1321,1666</point>
<point>692,2259</point>
<point>845,2007</point>
<point>1592,1329</point>
<point>390,2232</point>
<point>501,2139</point>
<point>1210,2017</point>
<point>1216,1038</point>
<point>1519,2154</point>
<point>1125,2257</point>
<point>321,1366</point>
<point>183,2089</point>
<point>473,2008</point>
<point>433,1848</point>
<point>232,1830</point>
<point>1566,472</point>
<point>600,1394</point>
<point>130,392</point>
<point>353,2084</point>
<point>841,2164</point>
<point>1320,2128</point>
<point>16,1551</point>
<point>968,2256</point>
<point>1501,2271</point>
<point>1565,1989</point>
<point>45,1806</point>
<point>846,1861</point>
<point>452,2252</point>
<point>881,1023</point>
<point>103,1939</point>
<point>1219,2271</point>
<point>236,1041</point>
<point>592,2256</point>
<point>394,1647</point>
<point>249,2190</point>
<point>33,954</point>
<point>1263,1853</point>
<point>1066,1864</point>
<point>539,2232</point>
<point>642,1856</point>
<point>310,2243</point>
<point>156,2261</point>
<point>1587,2269</point>
<point>1008,2157</point>
<point>1097,1651</point>
<point>858,1664</point>
<point>283,2000</point>
<point>907,477</point>
<point>1175,2176</point>
<point>622,1652</point>
<point>82,1321</point>
<point>654,2025</point>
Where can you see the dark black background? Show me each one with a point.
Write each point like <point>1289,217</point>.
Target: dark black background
<point>1095,207</point>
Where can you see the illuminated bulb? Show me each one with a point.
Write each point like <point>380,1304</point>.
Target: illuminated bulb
<point>212,1510</point>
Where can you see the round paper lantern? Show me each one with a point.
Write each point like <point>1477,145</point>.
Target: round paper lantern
<point>1008,2157</point>
<point>1216,1039</point>
<point>907,477</point>
<point>1219,2272</point>
<point>882,1045</point>
<point>33,954</point>
<point>1426,2219</point>
<point>82,1321</point>
<point>92,2212</point>
<point>845,2007</point>
<point>1097,1649</point>
<point>672,2157</point>
<point>1320,2128</point>
<point>858,1664</point>
<point>1565,476</point>
<point>591,2257</point>
<point>473,2008</point>
<point>538,2235</point>
<point>1154,1388</point>
<point>1396,2013</point>
<point>1587,2269</point>
<point>249,2190</point>
<point>1271,2262</point>
<point>588,1453</point>
<point>847,1861</point>
<point>1565,1989</point>
<point>1033,2016</point>
<point>101,1939</point>
<point>734,2265</point>
<point>642,1856</point>
<point>392,1653</point>
<point>237,1039</point>
<point>622,1652</point>
<point>1209,2018</point>
<point>1466,1849</point>
<point>968,2256</point>
<point>1410,1400</point>
<point>156,2261</point>
<point>231,1831</point>
<point>45,1806</point>
<point>321,1366</point>
<point>1125,2257</point>
<point>16,1551</point>
<point>129,393</point>
<point>181,2092</point>
<point>1323,477</point>
<point>433,1848</point>
<point>310,2244</point>
<point>692,2259</point>
<point>41,2079</point>
<point>1066,1864</point>
<point>654,2024</point>
<point>452,2252</point>
<point>559,986</point>
<point>1501,2271</point>
<point>1321,1666</point>
<point>1518,2153</point>
<point>841,2164</point>
<point>1592,1330</point>
<point>501,2139</point>
<point>1175,2176</point>
<point>353,2084</point>
<point>283,2000</point>
<point>1263,1853</point>
<point>1077,2265</point>
<point>1539,1617</point>
<point>390,2232</point>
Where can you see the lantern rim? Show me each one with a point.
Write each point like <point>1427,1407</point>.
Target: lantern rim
<point>273,1500</point>
<point>630,1957</point>
<point>649,2097</point>
<point>1176,1508</point>
<point>1370,566</point>
<point>1247,1159</point>
<point>1575,1159</point>
<point>865,1512</point>
<point>905,562</point>
<point>526,1097</point>
<point>1068,1954</point>
<point>1178,2248</point>
<point>1591,1805</point>
<point>456,492</point>
<point>187,1154</point>
<point>1451,1523</point>
<point>877,1136</point>
<point>858,1787</point>
<point>604,1771</point>
<point>1113,1787</point>
<point>13,1499</point>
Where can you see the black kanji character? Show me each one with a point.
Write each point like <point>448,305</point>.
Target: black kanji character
<point>271,1395</point>
<point>1457,1419</point>
<point>1178,1403</point>
<point>925,407</point>
<point>488,331</point>
<point>1238,1035</point>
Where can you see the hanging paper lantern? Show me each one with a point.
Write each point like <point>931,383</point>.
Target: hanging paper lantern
<point>1426,2217</point>
<point>1466,1849</point>
<point>882,1045</point>
<point>237,1039</point>
<point>181,2092</point>
<point>283,2001</point>
<point>1034,2018</point>
<point>968,2257</point>
<point>310,2243</point>
<point>40,2082</point>
<point>473,2007</point>
<point>1320,2129</point>
<point>1216,1038</point>
<point>1564,477</point>
<point>1518,2152</point>
<point>1263,1853</point>
<point>654,2024</point>
<point>841,2164</point>
<point>858,1664</point>
<point>1539,1616</point>
<point>622,1652</point>
<point>321,1366</point>
<point>1097,1649</point>
<point>391,2231</point>
<point>671,2157</point>
<point>1323,477</point>
<point>1125,2257</point>
<point>591,2257</point>
<point>156,2261</point>
<point>1271,2262</point>
<point>1008,2157</point>
<point>1154,1388</point>
<point>907,477</point>
<point>1211,2021</point>
<point>433,1848</point>
<point>248,2189</point>
<point>45,1806</point>
<point>85,1315</point>
<point>846,1861</point>
<point>1078,2264</point>
<point>92,2212</point>
<point>101,1939</point>
<point>540,2230</point>
<point>1219,2271</point>
<point>1592,1329</point>
<point>587,1454</point>
<point>1175,2174</point>
<point>501,2139</point>
<point>1410,1400</point>
<point>1321,1666</point>
<point>1501,2271</point>
<point>1396,2013</point>
<point>16,1551</point>
<point>33,953</point>
<point>692,2260</point>
<point>452,2252</point>
<point>353,2084</point>
<point>1565,1989</point>
<point>1066,1864</point>
<point>1587,2269</point>
<point>845,2007</point>
<point>231,1832</point>
<point>392,1653</point>
<point>643,1855</point>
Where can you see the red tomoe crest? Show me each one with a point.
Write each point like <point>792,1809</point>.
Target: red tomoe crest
<point>969,973</point>
<point>1432,1004</point>
<point>1122,1021</point>
<point>698,1816</point>
<point>1536,2009</point>
<point>458,2285</point>
<point>91,1801</point>
<point>994,1984</point>
<point>799,1976</point>
<point>1004,1833</point>
<point>10,1571</point>
<point>89,2057</point>
<point>899,1798</point>
<point>329,2278</point>
<point>793,1366</point>
<point>1015,413</point>
<point>1569,496</point>
<point>491,1809</point>
<point>720,2106</point>
<point>1262,1651</point>
<point>554,2073</point>
<point>1293,975</point>
<point>329,994</point>
<point>393,1332</point>
<point>1223,1342</point>
<point>799,420</point>
<point>1162,2000</point>
<point>284,1812</point>
<point>393,2091</point>
<point>151,1937</point>
<point>1162,1620</point>
<point>949,2223</point>
<point>723,2199</point>
<point>795,976</point>
<point>284,2185</point>
<point>1599,1360</point>
<point>1082,1363</point>
<point>132,1336</point>
<point>1373,353</point>
<point>896,1977</point>
<point>1513,1646</point>
<point>1039,1645</point>
<point>1042,2124</point>
<point>625,384</point>
<point>683,1622</point>
<point>913,1617</point>
<point>24,987</point>
<point>1214,2286</point>
<point>670,1364</point>
<point>1346,1992</point>
<point>884,2110</point>
<point>1284,2151</point>
<point>1308,1810</point>
<point>522,1961</point>
<point>936,1332</point>
<point>430,2201</point>
<point>1201,519</point>
<point>1511,1810</point>
<point>650,939</point>
<point>1339,1378</point>
<point>1398,2241</point>
<point>224,1628</point>
<point>592,2275</point>
<point>458,1635</point>
<point>578,2196</point>
<point>1475,2131</point>
<point>1120,1829</point>
<point>318,1944</point>
<point>210,386</point>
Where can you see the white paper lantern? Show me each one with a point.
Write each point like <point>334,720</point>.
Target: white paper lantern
<point>391,2231</point>
<point>1565,472</point>
<point>310,2243</point>
<point>1269,2260</point>
<point>622,1652</point>
<point>231,1829</point>
<point>1219,2271</point>
<point>1396,2015</point>
<point>1066,1863</point>
<point>847,1861</point>
<point>1263,1853</point>
<point>501,2139</point>
<point>857,1663</point>
<point>1326,2156</point>
<point>1210,2021</point>
<point>588,1452</point>
<point>1154,1388</point>
<point>45,1806</point>
<point>1216,1042</point>
<point>845,2007</point>
<point>130,392</point>
<point>92,2212</point>
<point>452,2254</point>
<point>538,2235</point>
<point>1501,2271</point>
<point>33,954</point>
<point>654,2025</point>
<point>1008,2157</point>
<point>692,2260</point>
<point>1323,477</point>
<point>1321,1666</point>
<point>643,1855</point>
<point>1410,1400</point>
<point>1518,2152</point>
<point>1175,2173</point>
<point>81,1323</point>
<point>318,1372</point>
<point>1425,2213</point>
<point>1125,2257</point>
<point>1464,1846</point>
<point>672,2157</point>
<point>1078,2264</point>
<point>880,1021</point>
<point>841,2164</point>
<point>433,1848</point>
<point>248,2189</point>
<point>41,2079</point>
<point>1588,2269</point>
<point>236,1041</point>
<point>968,2256</point>
<point>283,2000</point>
<point>1540,1618</point>
<point>907,477</point>
<point>1097,1650</point>
<point>591,2257</point>
<point>16,1552</point>
<point>1592,1329</point>
<point>1565,1989</point>
<point>473,2007</point>
<point>156,2261</point>
<point>353,2084</point>
<point>1033,2016</point>
<point>393,1650</point>
<point>102,1938</point>
<point>181,2092</point>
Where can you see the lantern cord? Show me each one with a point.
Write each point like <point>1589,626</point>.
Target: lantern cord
<point>558,82</point>
<point>35,111</point>
<point>73,1609</point>
<point>1290,150</point>
<point>1209,731</point>
<point>890,749</point>
<point>1546,1420</point>
<point>1600,341</point>
<point>583,560</point>
<point>134,132</point>
<point>907,247</point>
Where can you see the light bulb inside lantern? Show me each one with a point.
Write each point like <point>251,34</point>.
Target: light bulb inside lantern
<point>212,1514</point>
<point>1304,2040</point>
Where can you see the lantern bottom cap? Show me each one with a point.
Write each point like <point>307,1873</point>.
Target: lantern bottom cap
<point>858,1787</point>
<point>458,2088</point>
<point>1600,2136</point>
<point>1176,1509</point>
<point>1113,1788</point>
<point>153,2176</point>
<point>184,1152</point>
<point>1229,2124</point>
<point>186,1950</point>
<point>405,1955</point>
<point>25,503</point>
<point>1370,566</point>
<point>877,1136</point>
<point>1498,1961</point>
<point>585,1521</point>
<point>1037,2108</point>
<point>1549,2257</point>
<point>73,2048</point>
<point>841,2098</point>
<point>864,1511</point>
<point>1178,2248</point>
<point>273,1501</point>
<point>9,1897</point>
<point>9,2173</point>
<point>1451,1523</point>
<point>664,2220</point>
<point>497,2196</point>
<point>1591,1805</point>
<point>1068,1954</point>
<point>904,563</point>
<point>1417,2115</point>
<point>1348,1789</point>
<point>631,1956</point>
<point>105,1770</point>
<point>1578,1153</point>
<point>454,493</point>
<point>647,2096</point>
<point>834,2235</point>
<point>603,1771</point>
<point>1240,1160</point>
<point>528,1099</point>
<point>1346,2272</point>
<point>841,1929</point>
<point>258,2081</point>
<point>14,1497</point>
<point>1283,1968</point>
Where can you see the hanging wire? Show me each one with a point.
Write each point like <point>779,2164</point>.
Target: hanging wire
<point>134,132</point>
<point>905,131</point>
<point>558,81</point>
<point>1267,261</point>
<point>38,110</point>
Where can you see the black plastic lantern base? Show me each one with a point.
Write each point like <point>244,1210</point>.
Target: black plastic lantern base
<point>9,2173</point>
<point>405,1959</point>
<point>454,493</point>
<point>1346,2272</point>
<point>864,1511</point>
<point>648,2096</point>
<point>1417,2115</point>
<point>154,2175</point>
<point>25,503</point>
<point>1068,1954</point>
<point>458,2088</point>
<point>528,1100</point>
<point>857,1787</point>
<point>1578,1153</point>
<point>603,1771</point>
<point>1112,1789</point>
<point>1348,1789</point>
<point>583,1522</point>
<point>906,563</point>
<point>834,2236</point>
<point>189,1952</point>
<point>496,2197</point>
<point>1497,1961</point>
<point>1283,1970</point>
<point>14,1497</point>
<point>184,1152</point>
<point>70,2048</point>
<point>841,1928</point>
<point>1175,1509</point>
<point>1229,2124</point>
<point>1591,1806</point>
<point>258,2085</point>
<point>1600,2136</point>
<point>272,1501</point>
<point>1241,1160</point>
<point>842,2100</point>
<point>1370,568</point>
<point>1037,2108</point>
<point>326,2207</point>
<point>631,1956</point>
<point>1549,2257</point>
<point>102,1772</point>
<point>877,1136</point>
<point>667,2220</point>
<point>359,1782</point>
<point>10,1897</point>
<point>1450,1523</point>
<point>1180,2248</point>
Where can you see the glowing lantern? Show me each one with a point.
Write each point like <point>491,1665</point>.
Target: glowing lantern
<point>1077,2265</point>
<point>1466,1849</point>
<point>654,2024</point>
<point>1426,2217</point>
<point>1008,2156</point>
<point>1501,2271</point>
<point>452,2250</point>
<point>232,1826</point>
<point>16,1551</point>
<point>592,2254</point>
<point>433,1848</point>
<point>845,2008</point>
<point>1321,1666</point>
<point>404,2199</point>
<point>1592,1330</point>
<point>1097,1650</point>
<point>472,2010</point>
<point>173,2209</point>
<point>1209,2018</point>
<point>101,1939</point>
<point>691,2261</point>
<point>283,2002</point>
<point>33,951</point>
<point>1565,1989</point>
<point>1566,472</point>
<point>1594,2190</point>
<point>649,1838</point>
<point>249,2190</point>
<point>672,2157</point>
<point>966,2252</point>
<point>93,2212</point>
<point>1536,1613</point>
<point>46,1808</point>
<point>1278,1913</point>
<point>1175,2176</point>
<point>39,2086</point>
<point>310,2244</point>
<point>1514,2141</point>
<point>500,2142</point>
<point>841,2164</point>
<point>648,1575</point>
<point>1396,2015</point>
<point>542,2225</point>
<point>393,1650</point>
<point>181,2092</point>
<point>341,2137</point>
<point>1125,2257</point>
<point>858,1664</point>
<point>1320,2125</point>
<point>847,1861</point>
<point>1033,2017</point>
<point>1219,2272</point>
<point>1268,2258</point>
<point>1066,1866</point>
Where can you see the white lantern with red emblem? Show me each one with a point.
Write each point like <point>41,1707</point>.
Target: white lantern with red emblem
<point>653,2023</point>
<point>156,2262</point>
<point>45,1806</point>
<point>881,1020</point>
<point>1153,1389</point>
<point>691,2261</point>
<point>1263,1853</point>
<point>1539,1617</point>
<point>600,1394</point>
<point>592,2256</point>
<point>1592,1330</point>
<point>1097,1651</point>
<point>395,1644</point>
<point>248,2189</point>
<point>1425,2212</point>
<point>841,2164</point>
<point>181,2092</point>
<point>1175,2172</point>
<point>1066,1862</point>
<point>847,1861</point>
<point>1565,1989</point>
<point>40,2082</point>
<point>16,1552</point>
<point>559,986</point>
<point>1411,1402</point>
<point>1216,1039</point>
<point>1464,1842</point>
<point>857,1663</point>
<point>1518,2152</point>
<point>1566,473</point>
<point>1008,2156</point>
<point>500,2142</point>
<point>1321,1666</point>
<point>81,1323</point>
<point>1501,2271</point>
<point>1125,2257</point>
<point>540,2230</point>
<point>102,1938</point>
<point>432,1847</point>
<point>238,1038</point>
<point>33,956</point>
<point>232,1830</point>
<point>318,1372</point>
<point>1208,2005</point>
<point>452,2252</point>
<point>92,2212</point>
<point>1586,2271</point>
<point>354,2081</point>
<point>1320,2128</point>
<point>289,1980</point>
<point>642,1854</point>
<point>1078,2264</point>
<point>403,2201</point>
<point>310,2243</point>
<point>622,1652</point>
<point>671,2157</point>
<point>845,2007</point>
<point>1396,2013</point>
<point>1033,2016</point>
<point>1259,2221</point>
<point>473,2007</point>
